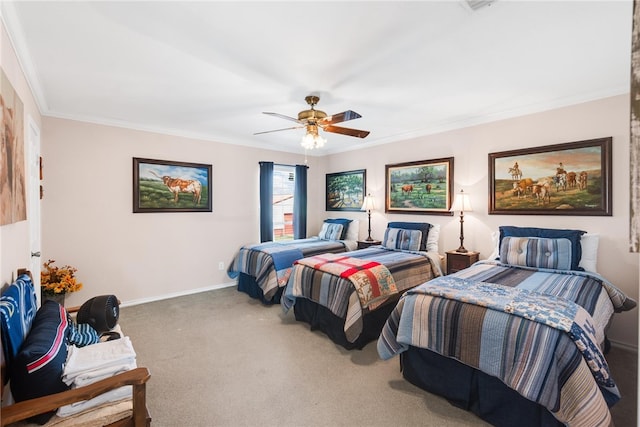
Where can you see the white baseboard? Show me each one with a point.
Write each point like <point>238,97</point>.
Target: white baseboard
<point>177,294</point>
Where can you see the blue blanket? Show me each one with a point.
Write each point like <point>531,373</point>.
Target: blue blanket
<point>17,309</point>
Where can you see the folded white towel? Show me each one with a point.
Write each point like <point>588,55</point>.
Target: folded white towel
<point>83,360</point>
<point>88,364</point>
<point>100,374</point>
<point>110,396</point>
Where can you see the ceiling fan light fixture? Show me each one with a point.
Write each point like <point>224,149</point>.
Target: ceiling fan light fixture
<point>312,140</point>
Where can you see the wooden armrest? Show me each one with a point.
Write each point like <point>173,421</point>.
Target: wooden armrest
<point>135,377</point>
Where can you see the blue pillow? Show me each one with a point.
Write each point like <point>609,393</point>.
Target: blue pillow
<point>573,235</point>
<point>403,239</point>
<point>330,231</point>
<point>536,252</point>
<point>422,226</point>
<point>38,366</point>
<point>345,225</point>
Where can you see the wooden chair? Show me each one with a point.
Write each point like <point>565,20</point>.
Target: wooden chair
<point>137,378</point>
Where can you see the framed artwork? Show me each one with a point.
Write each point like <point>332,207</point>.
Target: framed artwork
<point>563,179</point>
<point>423,187</point>
<point>13,177</point>
<point>168,186</point>
<point>346,190</point>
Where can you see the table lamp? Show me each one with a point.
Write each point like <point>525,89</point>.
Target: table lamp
<point>462,203</point>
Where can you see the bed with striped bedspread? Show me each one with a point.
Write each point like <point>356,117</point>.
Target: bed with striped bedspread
<point>270,263</point>
<point>338,294</point>
<point>538,330</point>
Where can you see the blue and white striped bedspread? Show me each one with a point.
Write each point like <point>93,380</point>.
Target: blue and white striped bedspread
<point>270,263</point>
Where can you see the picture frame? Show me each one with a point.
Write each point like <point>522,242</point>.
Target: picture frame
<point>345,191</point>
<point>421,187</point>
<point>571,178</point>
<point>171,186</point>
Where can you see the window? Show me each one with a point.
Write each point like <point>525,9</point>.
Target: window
<point>283,197</point>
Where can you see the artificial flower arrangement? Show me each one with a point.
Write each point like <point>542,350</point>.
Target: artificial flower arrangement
<point>58,280</point>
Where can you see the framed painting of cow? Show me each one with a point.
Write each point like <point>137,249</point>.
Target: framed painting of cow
<point>345,190</point>
<point>422,187</point>
<point>168,186</point>
<point>572,178</point>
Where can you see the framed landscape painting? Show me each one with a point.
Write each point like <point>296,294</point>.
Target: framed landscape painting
<point>167,186</point>
<point>345,190</point>
<point>419,187</point>
<point>563,179</point>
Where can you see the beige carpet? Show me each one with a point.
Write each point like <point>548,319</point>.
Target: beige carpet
<point>220,358</point>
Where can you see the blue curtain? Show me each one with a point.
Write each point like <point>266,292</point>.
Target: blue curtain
<point>300,203</point>
<point>266,201</point>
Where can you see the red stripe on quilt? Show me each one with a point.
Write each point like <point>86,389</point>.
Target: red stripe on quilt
<point>356,268</point>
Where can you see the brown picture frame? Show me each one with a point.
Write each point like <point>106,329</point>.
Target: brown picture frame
<point>170,186</point>
<point>420,187</point>
<point>572,178</point>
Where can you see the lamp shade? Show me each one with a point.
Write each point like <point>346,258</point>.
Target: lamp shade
<point>368,204</point>
<point>462,202</point>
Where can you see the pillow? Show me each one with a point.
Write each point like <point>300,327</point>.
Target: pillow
<point>399,238</point>
<point>330,231</point>
<point>354,230</point>
<point>573,235</point>
<point>432,238</point>
<point>345,225</point>
<point>422,226</point>
<point>589,243</point>
<point>495,242</point>
<point>37,369</point>
<point>537,252</point>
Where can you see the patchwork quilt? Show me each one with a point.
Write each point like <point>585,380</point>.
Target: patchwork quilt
<point>538,330</point>
<point>270,263</point>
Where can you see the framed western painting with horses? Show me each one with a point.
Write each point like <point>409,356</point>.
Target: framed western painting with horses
<point>564,179</point>
<point>167,186</point>
<point>422,187</point>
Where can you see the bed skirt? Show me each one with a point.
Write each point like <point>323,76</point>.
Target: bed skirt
<point>472,390</point>
<point>249,286</point>
<point>322,319</point>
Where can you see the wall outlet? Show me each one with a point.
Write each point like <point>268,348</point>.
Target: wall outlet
<point>221,265</point>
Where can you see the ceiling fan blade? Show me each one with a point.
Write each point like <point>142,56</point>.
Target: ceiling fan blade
<point>340,117</point>
<point>278,130</point>
<point>282,116</point>
<point>346,131</point>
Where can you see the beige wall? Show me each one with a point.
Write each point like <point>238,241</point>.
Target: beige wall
<point>14,238</point>
<point>88,219</point>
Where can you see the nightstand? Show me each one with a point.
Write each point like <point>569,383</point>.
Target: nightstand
<point>457,261</point>
<point>362,244</point>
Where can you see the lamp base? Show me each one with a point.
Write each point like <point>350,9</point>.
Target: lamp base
<point>462,250</point>
<point>368,239</point>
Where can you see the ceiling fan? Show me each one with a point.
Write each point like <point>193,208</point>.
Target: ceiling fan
<point>313,120</point>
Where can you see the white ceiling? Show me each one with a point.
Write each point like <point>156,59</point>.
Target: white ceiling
<point>209,69</point>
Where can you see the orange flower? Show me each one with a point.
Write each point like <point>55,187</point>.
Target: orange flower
<point>58,280</point>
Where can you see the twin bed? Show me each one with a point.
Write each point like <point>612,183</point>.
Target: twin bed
<point>263,269</point>
<point>518,340</point>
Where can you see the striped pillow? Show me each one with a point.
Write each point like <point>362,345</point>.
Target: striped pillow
<point>330,231</point>
<point>399,238</point>
<point>537,252</point>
